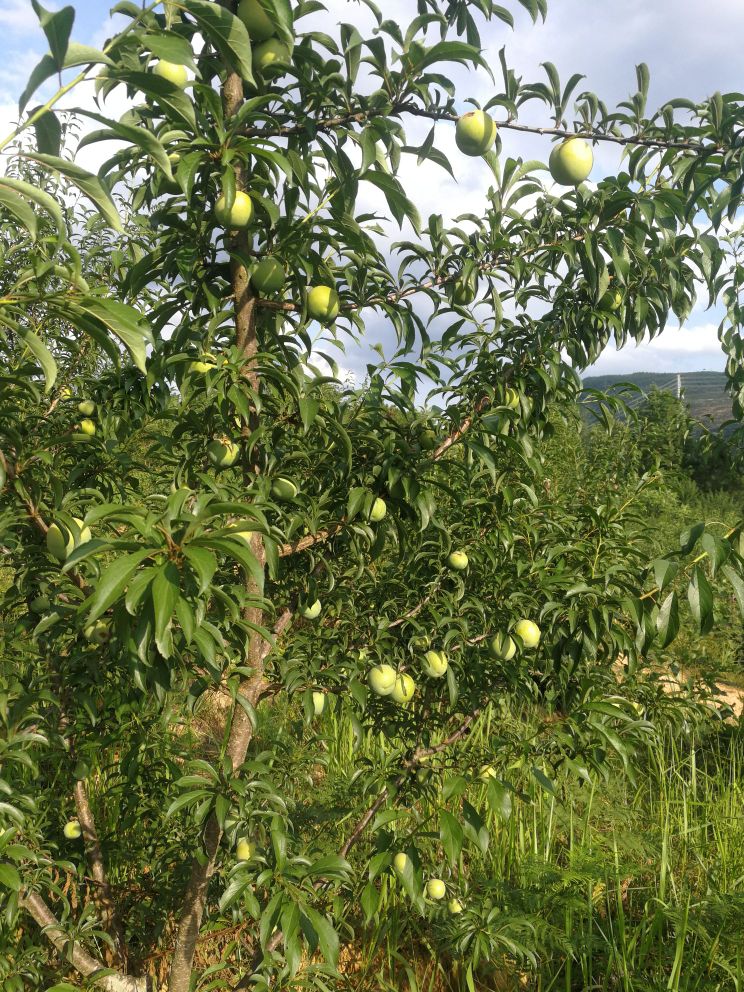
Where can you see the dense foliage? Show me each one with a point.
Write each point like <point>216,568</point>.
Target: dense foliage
<point>195,515</point>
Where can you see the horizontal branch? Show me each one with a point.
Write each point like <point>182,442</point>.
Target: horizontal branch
<point>290,127</point>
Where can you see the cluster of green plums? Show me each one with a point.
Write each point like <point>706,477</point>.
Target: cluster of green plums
<point>435,888</point>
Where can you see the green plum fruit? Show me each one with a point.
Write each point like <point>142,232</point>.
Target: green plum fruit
<point>282,488</point>
<point>528,632</point>
<point>458,560</point>
<point>502,646</point>
<point>382,679</point>
<point>436,664</point>
<point>72,830</point>
<point>223,452</point>
<point>378,511</point>
<point>173,72</point>
<point>404,689</point>
<point>268,276</point>
<point>436,889</point>
<point>240,213</point>
<point>323,304</point>
<point>312,612</point>
<point>571,162</point>
<point>475,132</point>
<point>256,20</point>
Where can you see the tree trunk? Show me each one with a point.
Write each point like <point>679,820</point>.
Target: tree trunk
<point>241,730</point>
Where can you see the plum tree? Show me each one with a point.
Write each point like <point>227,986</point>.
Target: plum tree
<point>231,496</point>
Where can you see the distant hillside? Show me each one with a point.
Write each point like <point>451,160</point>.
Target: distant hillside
<point>704,392</point>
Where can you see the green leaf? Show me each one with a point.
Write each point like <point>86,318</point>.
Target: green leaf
<point>543,781</point>
<point>40,197</point>
<point>76,55</point>
<point>112,582</point>
<point>451,835</point>
<point>9,877</point>
<point>88,184</point>
<point>164,593</point>
<point>738,585</point>
<point>126,323</point>
<point>17,206</point>
<point>203,562</point>
<point>167,94</point>
<point>227,33</point>
<point>42,355</point>
<point>327,936</point>
<point>700,596</point>
<point>499,799</point>
<point>667,622</point>
<point>171,47</point>
<point>664,572</point>
<point>139,136</point>
<point>57,26</point>
<point>48,133</point>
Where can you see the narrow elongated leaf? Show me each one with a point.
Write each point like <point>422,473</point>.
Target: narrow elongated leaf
<point>57,26</point>
<point>88,184</point>
<point>9,877</point>
<point>139,136</point>
<point>172,98</point>
<point>112,582</point>
<point>40,197</point>
<point>667,622</point>
<point>451,835</point>
<point>164,593</point>
<point>126,323</point>
<point>48,133</point>
<point>76,55</point>
<point>700,596</point>
<point>17,206</point>
<point>42,355</point>
<point>664,572</point>
<point>738,585</point>
<point>227,33</point>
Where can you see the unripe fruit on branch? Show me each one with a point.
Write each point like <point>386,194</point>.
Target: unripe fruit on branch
<point>282,488</point>
<point>502,646</point>
<point>319,701</point>
<point>98,632</point>
<point>268,276</point>
<point>463,293</point>
<point>240,213</point>
<point>378,511</point>
<point>458,560</point>
<point>173,72</point>
<point>87,427</point>
<point>257,21</point>
<point>511,398</point>
<point>270,53</point>
<point>571,162</point>
<point>245,849</point>
<point>436,889</point>
<point>323,304</point>
<point>486,773</point>
<point>382,679</point>
<point>203,364</point>
<point>72,830</point>
<point>475,132</point>
<point>454,906</point>
<point>404,689</point>
<point>401,861</point>
<point>223,453</point>
<point>61,542</point>
<point>436,664</point>
<point>40,604</point>
<point>87,408</point>
<point>312,612</point>
<point>529,633</point>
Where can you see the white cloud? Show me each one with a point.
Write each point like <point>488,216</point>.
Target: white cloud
<point>18,15</point>
<point>677,349</point>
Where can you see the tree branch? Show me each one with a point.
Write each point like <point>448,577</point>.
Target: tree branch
<point>81,960</point>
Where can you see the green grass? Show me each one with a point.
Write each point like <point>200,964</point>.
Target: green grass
<point>635,886</point>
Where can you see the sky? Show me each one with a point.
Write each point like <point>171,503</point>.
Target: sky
<point>692,50</point>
